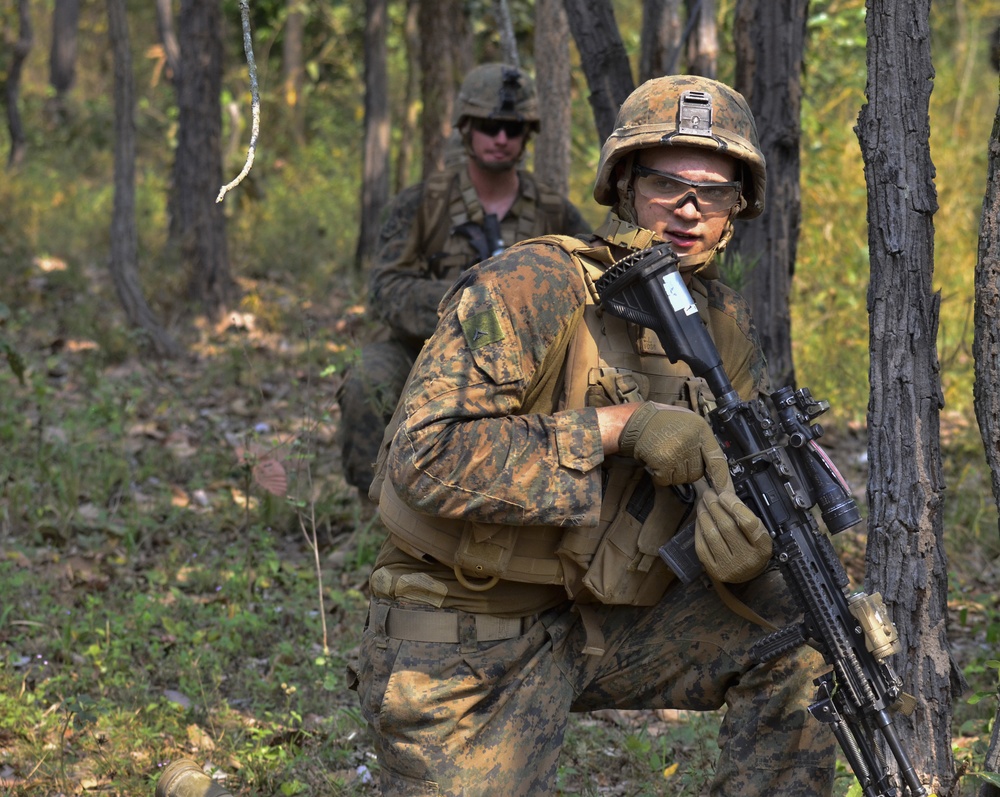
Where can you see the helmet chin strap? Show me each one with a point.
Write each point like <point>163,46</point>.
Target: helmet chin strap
<point>618,230</point>
<point>703,264</point>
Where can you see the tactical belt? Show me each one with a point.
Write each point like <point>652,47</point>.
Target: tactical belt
<point>443,626</point>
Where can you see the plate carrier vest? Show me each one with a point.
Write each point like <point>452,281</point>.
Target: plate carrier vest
<point>608,361</point>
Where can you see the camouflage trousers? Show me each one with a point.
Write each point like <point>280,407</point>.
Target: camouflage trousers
<point>478,718</point>
<point>367,398</point>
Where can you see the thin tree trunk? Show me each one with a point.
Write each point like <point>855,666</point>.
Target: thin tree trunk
<point>375,177</point>
<point>604,60</point>
<point>660,38</point>
<point>508,41</point>
<point>124,235</point>
<point>12,86</point>
<point>411,106</point>
<point>905,557</point>
<point>986,351</point>
<point>703,43</point>
<point>770,41</point>
<point>171,49</point>
<point>554,85</point>
<point>198,225</point>
<point>463,47</point>
<point>62,54</point>
<point>437,85</point>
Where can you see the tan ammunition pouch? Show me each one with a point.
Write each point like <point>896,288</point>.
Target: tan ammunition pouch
<point>607,361</point>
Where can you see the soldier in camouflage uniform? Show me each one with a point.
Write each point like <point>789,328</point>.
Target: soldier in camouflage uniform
<point>434,230</point>
<point>541,454</point>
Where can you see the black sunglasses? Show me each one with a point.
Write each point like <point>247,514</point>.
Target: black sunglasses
<point>492,127</point>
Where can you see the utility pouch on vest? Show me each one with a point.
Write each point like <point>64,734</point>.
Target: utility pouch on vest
<point>626,567</point>
<point>617,561</point>
<point>485,551</point>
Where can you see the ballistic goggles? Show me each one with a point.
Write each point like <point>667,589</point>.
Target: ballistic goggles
<point>672,190</point>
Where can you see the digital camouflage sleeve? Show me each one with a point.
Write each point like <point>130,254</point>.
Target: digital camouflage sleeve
<point>463,451</point>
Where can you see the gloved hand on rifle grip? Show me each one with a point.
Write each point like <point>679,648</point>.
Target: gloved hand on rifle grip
<point>729,539</point>
<point>676,445</point>
<point>679,447</point>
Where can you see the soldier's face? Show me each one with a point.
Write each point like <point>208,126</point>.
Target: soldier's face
<point>690,226</point>
<point>497,146</point>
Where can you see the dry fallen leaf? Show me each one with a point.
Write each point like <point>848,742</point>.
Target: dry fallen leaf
<point>270,475</point>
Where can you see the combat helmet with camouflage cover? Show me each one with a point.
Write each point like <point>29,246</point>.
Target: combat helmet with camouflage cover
<point>497,91</point>
<point>685,111</point>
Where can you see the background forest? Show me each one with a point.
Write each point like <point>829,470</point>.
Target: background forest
<point>182,567</point>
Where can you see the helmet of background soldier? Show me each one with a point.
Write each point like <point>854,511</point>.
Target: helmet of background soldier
<point>497,91</point>
<point>683,111</point>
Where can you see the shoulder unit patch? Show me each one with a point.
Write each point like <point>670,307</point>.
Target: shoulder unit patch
<point>482,329</point>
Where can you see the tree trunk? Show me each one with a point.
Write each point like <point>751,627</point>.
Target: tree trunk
<point>703,43</point>
<point>770,39</point>
<point>508,41</point>
<point>197,223</point>
<point>554,86</point>
<point>437,86</point>
<point>62,55</point>
<point>411,108</point>
<point>986,351</point>
<point>905,556</point>
<point>292,70</point>
<point>375,179</point>
<point>659,39</point>
<point>12,86</point>
<point>124,235</point>
<point>171,49</point>
<point>463,46</point>
<point>604,60</point>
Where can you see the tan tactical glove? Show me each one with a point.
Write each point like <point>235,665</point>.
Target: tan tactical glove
<point>729,539</point>
<point>678,447</point>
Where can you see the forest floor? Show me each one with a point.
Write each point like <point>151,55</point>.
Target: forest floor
<point>183,570</point>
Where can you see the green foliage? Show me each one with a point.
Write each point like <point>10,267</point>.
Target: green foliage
<point>303,221</point>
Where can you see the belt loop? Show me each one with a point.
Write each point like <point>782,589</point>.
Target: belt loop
<point>378,611</point>
<point>467,632</point>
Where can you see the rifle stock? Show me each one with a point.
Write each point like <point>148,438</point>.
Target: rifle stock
<point>781,473</point>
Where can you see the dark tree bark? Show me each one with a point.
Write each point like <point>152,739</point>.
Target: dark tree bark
<point>124,235</point>
<point>905,557</point>
<point>411,109</point>
<point>375,177</point>
<point>703,42</point>
<point>660,38</point>
<point>463,44</point>
<point>604,60</point>
<point>171,49</point>
<point>293,73</point>
<point>62,55</point>
<point>770,40</point>
<point>437,86</point>
<point>986,351</point>
<point>553,83</point>
<point>197,224</point>
<point>12,86</point>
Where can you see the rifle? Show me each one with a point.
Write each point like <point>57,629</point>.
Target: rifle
<point>780,472</point>
<point>485,238</point>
